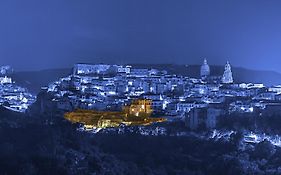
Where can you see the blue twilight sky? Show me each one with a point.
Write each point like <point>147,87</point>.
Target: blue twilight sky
<point>41,34</point>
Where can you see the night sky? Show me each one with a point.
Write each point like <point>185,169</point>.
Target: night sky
<point>37,34</point>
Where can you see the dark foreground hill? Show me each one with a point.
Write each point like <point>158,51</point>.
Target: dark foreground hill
<point>31,145</point>
<point>47,144</point>
<point>34,80</point>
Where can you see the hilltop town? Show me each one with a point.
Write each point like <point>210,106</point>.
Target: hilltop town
<point>200,103</point>
<point>148,109</point>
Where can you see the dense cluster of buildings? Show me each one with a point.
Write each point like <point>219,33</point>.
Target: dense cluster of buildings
<point>198,101</point>
<point>12,96</point>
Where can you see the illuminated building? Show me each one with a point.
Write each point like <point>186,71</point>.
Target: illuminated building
<point>122,69</point>
<point>227,75</point>
<point>205,70</point>
<point>139,108</point>
<point>90,69</point>
<point>5,80</point>
<point>136,114</point>
<point>139,72</point>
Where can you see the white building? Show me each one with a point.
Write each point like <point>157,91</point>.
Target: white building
<point>205,70</point>
<point>227,75</point>
<point>90,69</point>
<point>139,72</point>
<point>5,79</point>
<point>122,69</point>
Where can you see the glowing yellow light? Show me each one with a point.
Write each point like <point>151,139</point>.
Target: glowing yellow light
<point>138,113</point>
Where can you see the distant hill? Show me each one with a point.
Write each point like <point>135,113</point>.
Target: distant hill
<point>34,80</point>
<point>239,74</point>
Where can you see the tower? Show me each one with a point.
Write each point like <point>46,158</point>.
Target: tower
<point>227,75</point>
<point>205,70</point>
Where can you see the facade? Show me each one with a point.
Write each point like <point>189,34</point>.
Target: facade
<point>139,72</point>
<point>196,118</point>
<point>139,108</point>
<point>5,79</point>
<point>202,118</point>
<point>125,70</point>
<point>90,69</point>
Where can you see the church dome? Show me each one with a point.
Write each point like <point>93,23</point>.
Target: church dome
<point>205,69</point>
